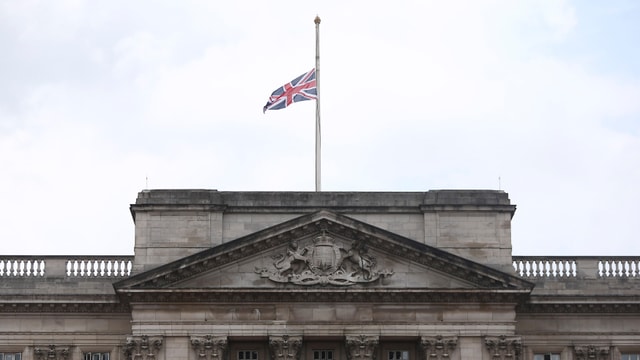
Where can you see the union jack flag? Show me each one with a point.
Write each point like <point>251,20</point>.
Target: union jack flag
<point>299,89</point>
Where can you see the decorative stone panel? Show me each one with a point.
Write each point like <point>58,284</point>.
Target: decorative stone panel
<point>591,352</point>
<point>504,348</point>
<point>438,348</point>
<point>210,347</point>
<point>361,347</point>
<point>142,347</point>
<point>285,347</point>
<point>324,262</point>
<point>51,352</point>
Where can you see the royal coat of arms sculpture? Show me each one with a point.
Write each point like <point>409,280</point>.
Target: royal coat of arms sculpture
<point>324,262</point>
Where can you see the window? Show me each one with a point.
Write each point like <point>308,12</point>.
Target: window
<point>95,356</point>
<point>322,354</point>
<point>625,357</point>
<point>398,355</point>
<point>10,356</point>
<point>247,355</point>
<point>546,356</point>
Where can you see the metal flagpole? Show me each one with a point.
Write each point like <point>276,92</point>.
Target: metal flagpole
<point>317,22</point>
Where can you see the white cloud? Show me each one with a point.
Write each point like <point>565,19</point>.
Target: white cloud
<point>415,96</point>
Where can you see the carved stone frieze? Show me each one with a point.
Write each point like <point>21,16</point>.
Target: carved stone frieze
<point>142,347</point>
<point>285,347</point>
<point>209,347</point>
<point>591,352</point>
<point>438,347</point>
<point>504,347</point>
<point>51,352</point>
<point>324,262</point>
<point>361,347</point>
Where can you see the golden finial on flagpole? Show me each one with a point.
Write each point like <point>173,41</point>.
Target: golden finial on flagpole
<point>317,20</point>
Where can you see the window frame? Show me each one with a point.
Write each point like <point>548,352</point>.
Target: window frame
<point>411,347</point>
<point>550,354</point>
<point>259,346</point>
<point>630,353</point>
<point>310,346</point>
<point>101,355</point>
<point>16,355</point>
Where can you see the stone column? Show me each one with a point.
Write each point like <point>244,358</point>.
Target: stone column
<point>361,347</point>
<point>504,347</point>
<point>438,348</point>
<point>285,347</point>
<point>142,347</point>
<point>591,352</point>
<point>210,347</point>
<point>51,352</point>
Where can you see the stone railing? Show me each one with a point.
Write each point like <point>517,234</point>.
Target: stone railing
<point>120,266</point>
<point>577,266</point>
<point>65,266</point>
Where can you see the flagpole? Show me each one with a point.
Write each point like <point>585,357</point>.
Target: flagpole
<point>317,22</point>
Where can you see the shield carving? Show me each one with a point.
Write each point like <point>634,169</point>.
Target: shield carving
<point>325,256</point>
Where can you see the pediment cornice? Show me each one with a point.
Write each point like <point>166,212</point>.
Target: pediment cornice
<point>323,222</point>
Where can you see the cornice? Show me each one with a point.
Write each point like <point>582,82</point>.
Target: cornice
<point>337,295</point>
<point>65,307</point>
<point>579,308</point>
<point>333,225</point>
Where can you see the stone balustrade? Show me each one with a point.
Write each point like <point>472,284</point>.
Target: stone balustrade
<point>582,267</point>
<point>65,266</point>
<point>538,267</point>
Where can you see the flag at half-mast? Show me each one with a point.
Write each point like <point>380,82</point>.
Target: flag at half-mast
<point>299,89</point>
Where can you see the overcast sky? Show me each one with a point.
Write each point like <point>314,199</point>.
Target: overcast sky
<point>102,99</point>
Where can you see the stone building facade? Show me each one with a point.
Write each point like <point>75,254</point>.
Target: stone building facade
<point>320,276</point>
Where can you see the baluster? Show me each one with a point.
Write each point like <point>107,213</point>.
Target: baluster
<point>37,268</point>
<point>95,268</point>
<point>129,267</point>
<point>540,268</point>
<point>534,268</point>
<point>76,268</point>
<point>101,268</point>
<point>28,265</point>
<point>620,268</point>
<point>108,265</point>
<point>520,267</point>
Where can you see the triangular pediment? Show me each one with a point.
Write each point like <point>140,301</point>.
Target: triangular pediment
<point>322,252</point>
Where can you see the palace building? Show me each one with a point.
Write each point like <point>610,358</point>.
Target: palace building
<point>222,275</point>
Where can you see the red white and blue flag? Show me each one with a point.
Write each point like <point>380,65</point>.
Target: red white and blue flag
<point>299,89</point>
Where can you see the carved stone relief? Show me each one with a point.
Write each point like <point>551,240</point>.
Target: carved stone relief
<point>438,348</point>
<point>285,347</point>
<point>142,347</point>
<point>210,347</point>
<point>361,347</point>
<point>591,352</point>
<point>504,347</point>
<point>51,352</point>
<point>324,262</point>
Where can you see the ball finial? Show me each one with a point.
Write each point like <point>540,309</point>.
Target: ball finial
<point>317,20</point>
